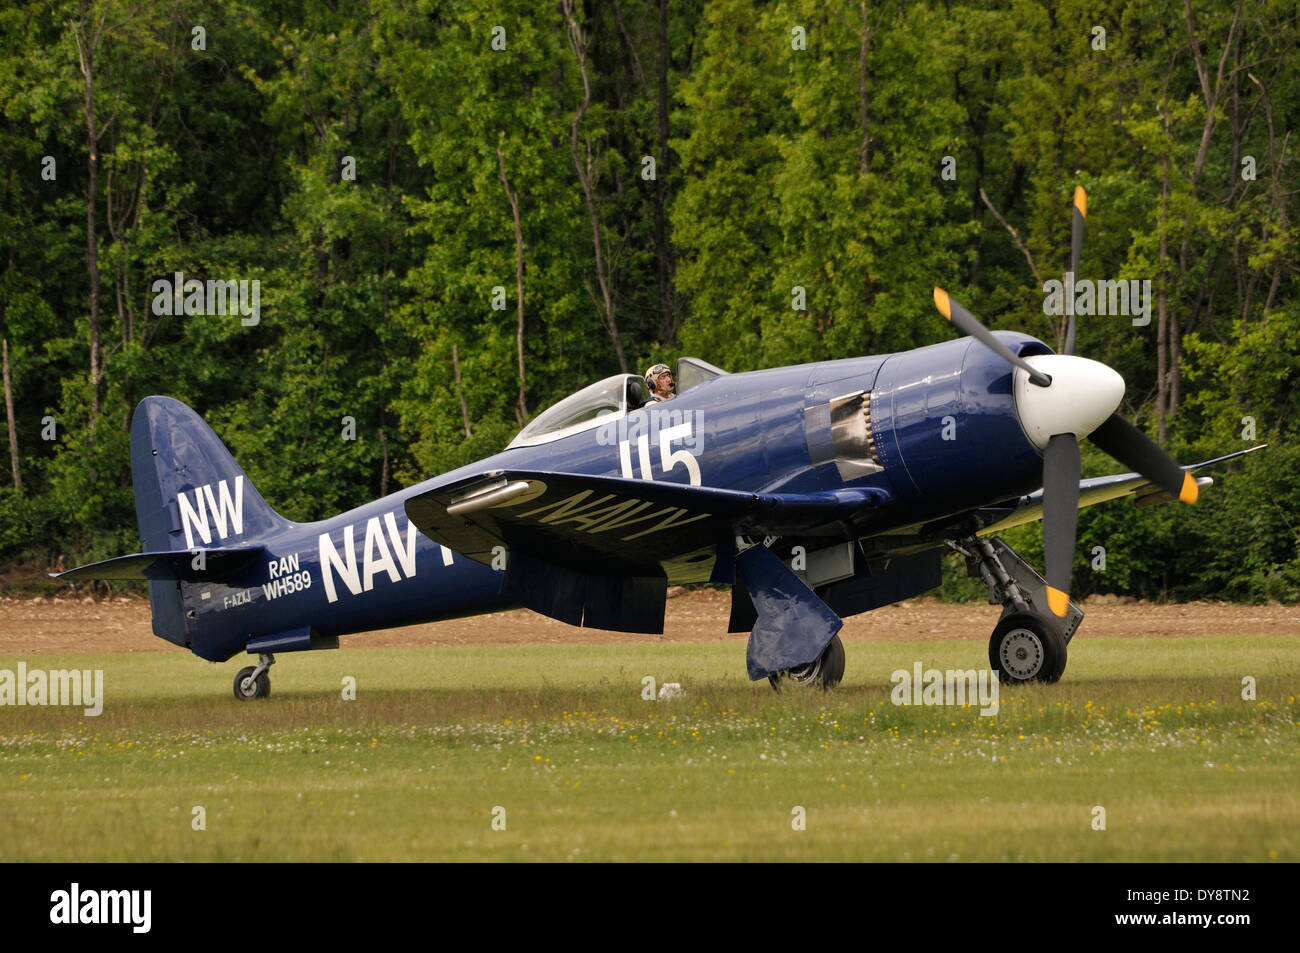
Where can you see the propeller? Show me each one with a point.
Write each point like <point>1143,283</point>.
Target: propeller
<point>1140,453</point>
<point>1076,250</point>
<point>1071,397</point>
<point>967,323</point>
<point>1061,468</point>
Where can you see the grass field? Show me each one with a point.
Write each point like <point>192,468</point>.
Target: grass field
<point>1153,730</point>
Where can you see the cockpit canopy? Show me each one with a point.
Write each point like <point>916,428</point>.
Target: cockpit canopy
<point>604,401</point>
<point>692,371</point>
<point>590,407</point>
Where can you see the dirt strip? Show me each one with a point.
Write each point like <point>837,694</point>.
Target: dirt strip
<point>48,626</point>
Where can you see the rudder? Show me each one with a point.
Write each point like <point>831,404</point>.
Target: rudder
<point>189,494</point>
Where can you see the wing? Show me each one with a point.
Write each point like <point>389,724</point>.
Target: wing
<point>988,520</point>
<point>600,551</point>
<point>1099,490</point>
<point>610,526</point>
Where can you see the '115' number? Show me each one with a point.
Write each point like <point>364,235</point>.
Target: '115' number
<point>668,458</point>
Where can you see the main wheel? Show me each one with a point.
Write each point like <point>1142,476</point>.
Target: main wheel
<point>247,687</point>
<point>1027,647</point>
<point>826,672</point>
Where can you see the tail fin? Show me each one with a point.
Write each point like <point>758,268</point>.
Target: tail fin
<point>189,491</point>
<point>189,494</point>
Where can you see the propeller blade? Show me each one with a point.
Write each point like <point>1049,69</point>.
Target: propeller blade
<point>967,323</point>
<point>1140,453</point>
<point>1076,250</point>
<point>1061,468</point>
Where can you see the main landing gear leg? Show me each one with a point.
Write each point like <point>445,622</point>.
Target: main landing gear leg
<point>1029,643</point>
<point>255,681</point>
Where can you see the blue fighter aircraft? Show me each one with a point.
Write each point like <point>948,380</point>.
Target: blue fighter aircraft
<point>816,491</point>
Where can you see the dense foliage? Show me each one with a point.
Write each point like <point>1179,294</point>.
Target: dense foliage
<point>460,212</point>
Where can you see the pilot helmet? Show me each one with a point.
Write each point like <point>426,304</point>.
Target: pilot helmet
<point>652,374</point>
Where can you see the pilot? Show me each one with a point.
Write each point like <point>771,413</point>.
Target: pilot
<point>659,381</point>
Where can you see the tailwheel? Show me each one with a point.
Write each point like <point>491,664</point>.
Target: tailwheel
<point>254,681</point>
<point>826,672</point>
<point>1027,647</point>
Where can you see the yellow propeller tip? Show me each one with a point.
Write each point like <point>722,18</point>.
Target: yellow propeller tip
<point>941,302</point>
<point>1081,200</point>
<point>1190,490</point>
<point>1058,601</point>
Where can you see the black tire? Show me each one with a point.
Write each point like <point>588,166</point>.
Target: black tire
<point>833,663</point>
<point>261,688</point>
<point>825,673</point>
<point>1027,647</point>
<point>1060,668</point>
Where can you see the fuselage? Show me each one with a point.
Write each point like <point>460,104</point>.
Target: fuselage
<point>940,436</point>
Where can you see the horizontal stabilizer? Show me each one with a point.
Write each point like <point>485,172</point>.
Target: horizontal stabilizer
<point>172,564</point>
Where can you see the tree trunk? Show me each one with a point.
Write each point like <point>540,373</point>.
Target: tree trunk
<point>1277,201</point>
<point>663,250</point>
<point>521,410</point>
<point>1162,297</point>
<point>87,44</point>
<point>9,417</point>
<point>1213,96</point>
<point>1175,358</point>
<point>587,177</point>
<point>864,150</point>
<point>383,444</point>
<point>460,391</point>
